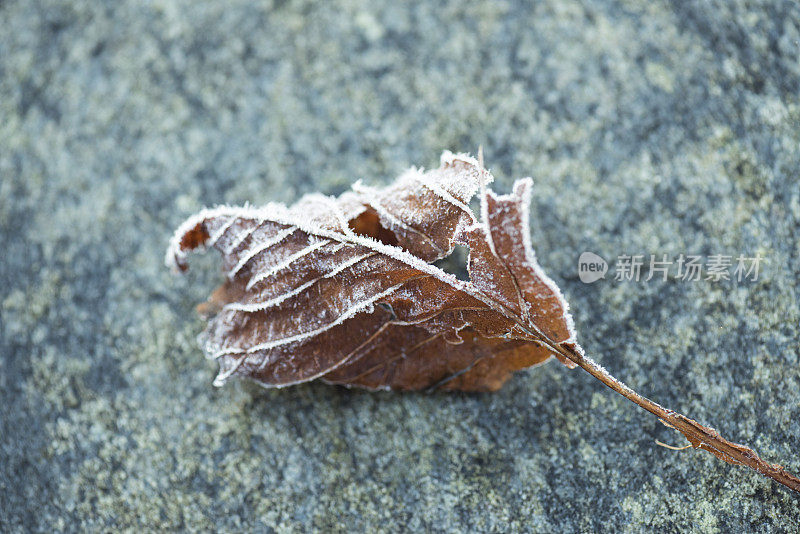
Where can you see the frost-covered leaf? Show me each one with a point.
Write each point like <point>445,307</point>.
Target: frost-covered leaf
<point>344,289</point>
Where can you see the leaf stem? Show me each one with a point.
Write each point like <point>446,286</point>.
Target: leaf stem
<point>700,437</point>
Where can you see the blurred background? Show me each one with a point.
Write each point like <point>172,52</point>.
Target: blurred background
<point>648,127</point>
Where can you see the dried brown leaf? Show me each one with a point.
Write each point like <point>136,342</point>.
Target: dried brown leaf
<point>345,289</point>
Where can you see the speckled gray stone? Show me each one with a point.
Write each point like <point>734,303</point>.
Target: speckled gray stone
<point>649,128</point>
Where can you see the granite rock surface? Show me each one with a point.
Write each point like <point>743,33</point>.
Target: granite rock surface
<point>648,127</point>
